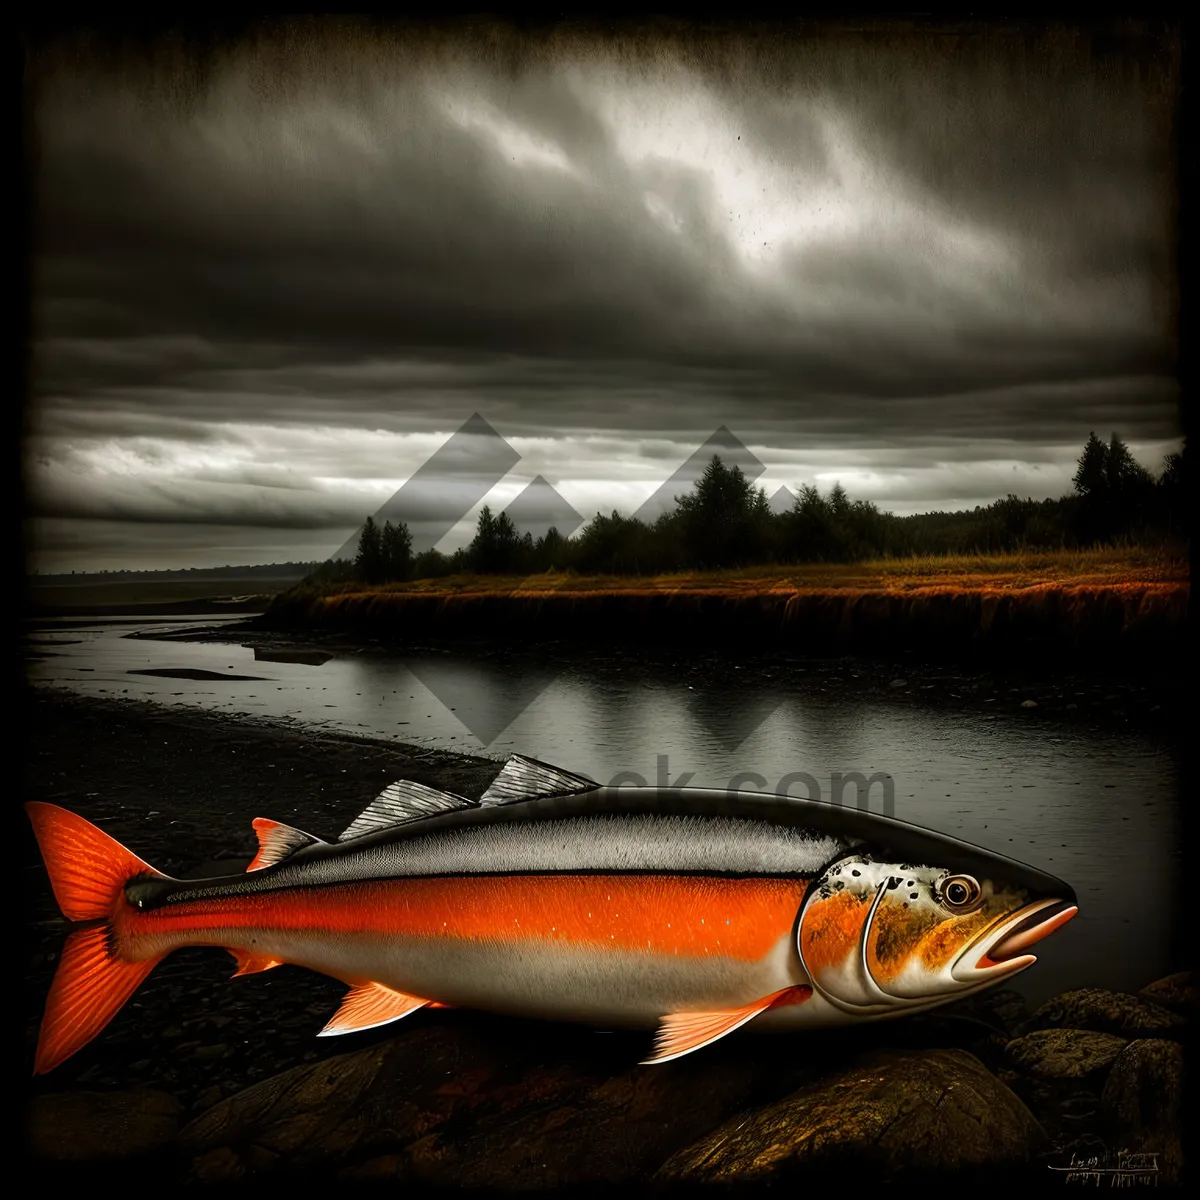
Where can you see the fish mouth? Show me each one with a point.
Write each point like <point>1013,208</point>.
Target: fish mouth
<point>1000,950</point>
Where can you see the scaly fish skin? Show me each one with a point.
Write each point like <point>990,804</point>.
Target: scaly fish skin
<point>690,911</point>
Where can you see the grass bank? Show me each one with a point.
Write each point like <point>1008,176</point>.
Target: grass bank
<point>1048,603</point>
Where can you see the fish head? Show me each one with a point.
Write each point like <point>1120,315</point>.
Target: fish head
<point>879,937</point>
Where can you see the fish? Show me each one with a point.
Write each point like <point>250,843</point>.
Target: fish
<point>689,912</point>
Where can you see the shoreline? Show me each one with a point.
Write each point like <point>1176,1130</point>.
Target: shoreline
<point>1060,621</point>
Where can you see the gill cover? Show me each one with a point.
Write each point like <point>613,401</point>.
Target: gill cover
<point>878,937</point>
<point>834,931</point>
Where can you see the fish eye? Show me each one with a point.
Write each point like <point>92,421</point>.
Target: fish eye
<point>960,892</point>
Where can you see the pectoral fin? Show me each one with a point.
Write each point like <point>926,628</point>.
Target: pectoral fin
<point>681,1033</point>
<point>369,1005</point>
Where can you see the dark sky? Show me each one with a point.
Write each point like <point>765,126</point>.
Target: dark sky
<point>270,282</point>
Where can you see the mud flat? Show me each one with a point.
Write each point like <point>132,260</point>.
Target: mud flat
<point>1129,622</point>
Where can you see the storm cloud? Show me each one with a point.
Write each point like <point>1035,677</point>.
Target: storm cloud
<point>270,282</point>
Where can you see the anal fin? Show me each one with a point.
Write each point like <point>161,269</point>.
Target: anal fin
<point>681,1033</point>
<point>251,964</point>
<point>369,1005</point>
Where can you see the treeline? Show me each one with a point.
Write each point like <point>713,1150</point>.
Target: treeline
<point>724,521</point>
<point>287,570</point>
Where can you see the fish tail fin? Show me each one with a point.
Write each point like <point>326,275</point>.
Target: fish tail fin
<point>90,987</point>
<point>88,872</point>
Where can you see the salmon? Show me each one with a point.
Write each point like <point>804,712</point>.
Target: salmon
<point>690,912</point>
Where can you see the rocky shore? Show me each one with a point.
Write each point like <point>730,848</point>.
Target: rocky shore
<point>208,1080</point>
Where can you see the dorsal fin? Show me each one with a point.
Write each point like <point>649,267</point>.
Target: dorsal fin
<point>527,779</point>
<point>399,803</point>
<point>277,841</point>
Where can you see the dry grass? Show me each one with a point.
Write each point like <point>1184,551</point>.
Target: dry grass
<point>1004,572</point>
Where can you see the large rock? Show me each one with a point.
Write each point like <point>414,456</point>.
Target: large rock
<point>888,1115</point>
<point>1065,1053</point>
<point>95,1127</point>
<point>1180,993</point>
<point>1107,1012</point>
<point>1143,1103</point>
<point>610,1131</point>
<point>318,1114</point>
<point>492,1104</point>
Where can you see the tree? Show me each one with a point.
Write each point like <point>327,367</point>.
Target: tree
<point>615,544</point>
<point>1172,489</point>
<point>1116,492</point>
<point>1172,472</point>
<point>1129,482</point>
<point>496,544</point>
<point>334,570</point>
<point>839,502</point>
<point>551,549</point>
<point>725,520</point>
<point>369,562</point>
<point>810,534</point>
<point>396,550</point>
<point>431,564</point>
<point>1091,472</point>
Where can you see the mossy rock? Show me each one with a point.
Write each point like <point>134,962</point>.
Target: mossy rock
<point>1143,1103</point>
<point>892,1114</point>
<point>1065,1053</point>
<point>1102,1011</point>
<point>1179,992</point>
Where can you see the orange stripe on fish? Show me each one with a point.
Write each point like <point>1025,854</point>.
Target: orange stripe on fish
<point>685,915</point>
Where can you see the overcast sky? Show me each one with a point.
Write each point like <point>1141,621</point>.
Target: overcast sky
<point>269,284</point>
